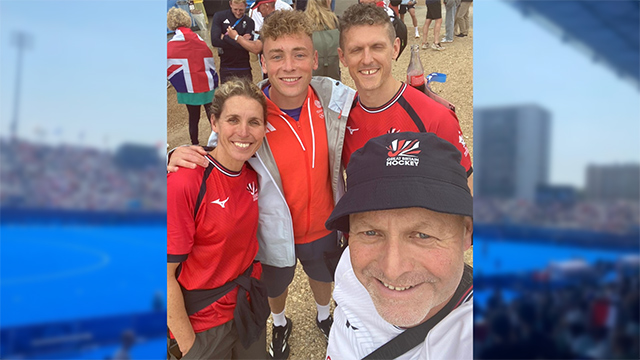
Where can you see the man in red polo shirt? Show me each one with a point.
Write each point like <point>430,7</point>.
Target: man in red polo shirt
<point>385,105</point>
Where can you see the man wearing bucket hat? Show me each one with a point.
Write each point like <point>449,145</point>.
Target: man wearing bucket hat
<point>402,287</point>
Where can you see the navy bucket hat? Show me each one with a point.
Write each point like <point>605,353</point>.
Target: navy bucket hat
<point>403,170</point>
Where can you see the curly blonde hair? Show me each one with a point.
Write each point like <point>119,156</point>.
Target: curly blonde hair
<point>237,87</point>
<point>285,22</point>
<point>176,18</point>
<point>320,15</point>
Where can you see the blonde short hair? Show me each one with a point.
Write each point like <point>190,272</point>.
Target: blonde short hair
<point>285,22</point>
<point>176,18</point>
<point>237,87</point>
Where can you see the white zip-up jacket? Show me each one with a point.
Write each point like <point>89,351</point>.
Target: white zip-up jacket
<point>275,229</point>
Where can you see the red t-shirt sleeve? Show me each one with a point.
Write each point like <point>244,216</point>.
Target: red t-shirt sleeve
<point>448,128</point>
<point>182,192</point>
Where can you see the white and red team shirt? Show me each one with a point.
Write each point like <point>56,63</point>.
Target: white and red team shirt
<point>220,244</point>
<point>408,110</point>
<point>358,329</point>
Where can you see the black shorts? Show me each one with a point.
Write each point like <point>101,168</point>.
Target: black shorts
<point>312,258</point>
<point>434,10</point>
<point>227,74</point>
<point>404,8</point>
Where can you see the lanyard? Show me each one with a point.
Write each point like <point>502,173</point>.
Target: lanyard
<point>237,21</point>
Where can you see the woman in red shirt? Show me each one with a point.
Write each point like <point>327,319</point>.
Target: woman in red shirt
<point>212,219</point>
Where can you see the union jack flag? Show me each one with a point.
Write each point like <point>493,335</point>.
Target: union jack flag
<point>190,66</point>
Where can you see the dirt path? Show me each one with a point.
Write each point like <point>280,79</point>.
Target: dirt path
<point>456,61</point>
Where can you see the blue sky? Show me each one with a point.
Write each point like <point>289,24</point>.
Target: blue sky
<point>95,68</point>
<point>595,114</point>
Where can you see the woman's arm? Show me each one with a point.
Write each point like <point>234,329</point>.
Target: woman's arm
<point>177,318</point>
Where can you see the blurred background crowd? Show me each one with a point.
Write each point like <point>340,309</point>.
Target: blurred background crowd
<point>614,216</point>
<point>596,317</point>
<point>76,177</point>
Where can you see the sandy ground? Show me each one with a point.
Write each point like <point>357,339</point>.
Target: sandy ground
<point>456,61</point>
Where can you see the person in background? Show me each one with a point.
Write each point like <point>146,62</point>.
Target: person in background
<point>257,14</point>
<point>212,220</point>
<point>326,37</point>
<point>394,4</point>
<point>234,59</point>
<point>300,5</point>
<point>410,6</point>
<point>449,21</point>
<point>434,12</point>
<point>462,18</point>
<point>127,340</point>
<point>409,216</point>
<point>264,8</point>
<point>190,69</point>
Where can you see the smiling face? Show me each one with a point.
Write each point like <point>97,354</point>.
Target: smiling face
<point>410,260</point>
<point>368,52</point>
<point>240,130</point>
<point>237,8</point>
<point>289,60</point>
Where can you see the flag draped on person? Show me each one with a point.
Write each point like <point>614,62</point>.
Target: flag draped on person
<point>190,65</point>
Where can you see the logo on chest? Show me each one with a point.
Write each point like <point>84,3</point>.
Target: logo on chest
<point>252,188</point>
<point>221,202</point>
<point>319,110</point>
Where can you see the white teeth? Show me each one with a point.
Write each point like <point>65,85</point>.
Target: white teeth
<point>242,145</point>
<point>368,72</point>
<point>289,79</point>
<point>396,288</point>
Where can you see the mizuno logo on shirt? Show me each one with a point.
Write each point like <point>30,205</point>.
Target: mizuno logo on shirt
<point>351,131</point>
<point>220,202</point>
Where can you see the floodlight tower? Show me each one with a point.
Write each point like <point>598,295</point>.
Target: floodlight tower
<point>22,41</point>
